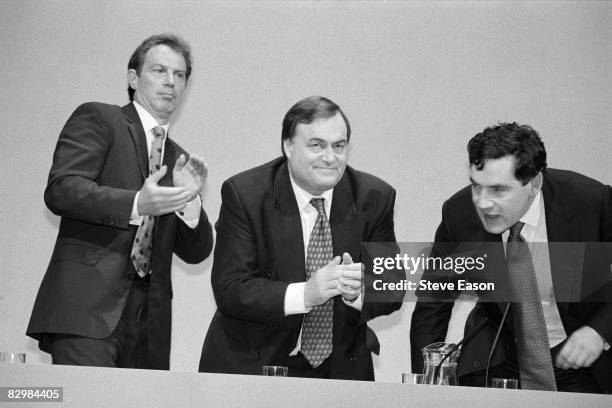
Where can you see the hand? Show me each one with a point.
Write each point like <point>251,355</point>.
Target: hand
<point>155,200</point>
<point>349,281</point>
<point>323,284</point>
<point>581,349</point>
<point>190,174</point>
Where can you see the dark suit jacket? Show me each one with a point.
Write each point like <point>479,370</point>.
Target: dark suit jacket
<point>260,252</point>
<point>577,209</point>
<point>99,164</point>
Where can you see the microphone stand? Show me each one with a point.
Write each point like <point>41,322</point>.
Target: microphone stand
<point>499,329</point>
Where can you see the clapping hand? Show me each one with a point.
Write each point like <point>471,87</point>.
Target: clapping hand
<point>158,200</point>
<point>190,174</point>
<point>349,281</point>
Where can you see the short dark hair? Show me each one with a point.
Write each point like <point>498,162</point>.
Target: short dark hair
<point>171,40</point>
<point>307,111</point>
<point>520,141</point>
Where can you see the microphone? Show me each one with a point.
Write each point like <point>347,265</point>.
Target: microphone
<point>465,338</point>
<point>499,329</point>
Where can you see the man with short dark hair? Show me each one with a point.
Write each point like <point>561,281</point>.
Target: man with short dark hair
<point>514,198</point>
<point>128,197</point>
<point>287,275</point>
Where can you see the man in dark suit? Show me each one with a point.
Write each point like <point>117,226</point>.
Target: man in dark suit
<point>128,197</point>
<point>274,220</point>
<point>511,189</point>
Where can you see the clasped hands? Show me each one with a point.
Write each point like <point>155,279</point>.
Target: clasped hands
<point>189,177</point>
<point>341,276</point>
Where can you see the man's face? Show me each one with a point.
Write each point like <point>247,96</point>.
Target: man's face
<point>500,199</point>
<point>161,82</point>
<point>317,154</point>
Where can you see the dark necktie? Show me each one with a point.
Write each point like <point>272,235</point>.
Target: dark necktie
<point>534,359</point>
<point>143,243</point>
<point>318,323</point>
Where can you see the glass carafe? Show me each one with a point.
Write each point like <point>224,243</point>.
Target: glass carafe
<point>446,374</point>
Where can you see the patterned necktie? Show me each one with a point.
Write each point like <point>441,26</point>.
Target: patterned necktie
<point>143,243</point>
<point>318,323</point>
<point>534,359</point>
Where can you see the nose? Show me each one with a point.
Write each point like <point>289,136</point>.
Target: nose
<point>169,78</point>
<point>328,155</point>
<point>481,200</point>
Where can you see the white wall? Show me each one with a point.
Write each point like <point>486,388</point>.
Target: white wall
<point>416,79</point>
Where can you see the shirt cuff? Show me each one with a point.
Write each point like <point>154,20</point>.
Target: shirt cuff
<point>135,218</point>
<point>355,303</point>
<point>190,215</point>
<point>294,299</point>
<point>606,344</point>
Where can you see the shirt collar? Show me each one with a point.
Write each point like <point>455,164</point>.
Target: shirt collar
<point>303,197</point>
<point>147,120</point>
<point>532,216</point>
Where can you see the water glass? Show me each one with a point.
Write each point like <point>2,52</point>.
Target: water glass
<point>508,383</point>
<point>411,378</point>
<point>12,358</point>
<point>275,371</point>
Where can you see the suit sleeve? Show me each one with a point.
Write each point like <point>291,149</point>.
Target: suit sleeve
<point>384,231</point>
<point>72,190</point>
<point>430,318</point>
<point>600,320</point>
<point>241,291</point>
<point>193,245</point>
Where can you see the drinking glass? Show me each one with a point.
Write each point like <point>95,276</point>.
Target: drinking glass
<point>7,357</point>
<point>508,383</point>
<point>276,371</point>
<point>412,378</point>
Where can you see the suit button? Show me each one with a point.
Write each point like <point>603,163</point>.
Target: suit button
<point>352,358</point>
<point>476,364</point>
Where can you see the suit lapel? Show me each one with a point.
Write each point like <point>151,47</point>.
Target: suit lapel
<point>138,137</point>
<point>497,269</point>
<point>559,225</point>
<point>286,229</point>
<point>566,255</point>
<point>347,230</point>
<point>346,226</point>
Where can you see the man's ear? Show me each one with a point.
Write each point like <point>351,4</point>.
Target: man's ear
<point>132,78</point>
<point>536,184</point>
<point>287,145</point>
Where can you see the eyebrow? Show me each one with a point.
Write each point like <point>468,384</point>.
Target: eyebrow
<point>318,139</point>
<point>325,141</point>
<point>493,186</point>
<point>167,67</point>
